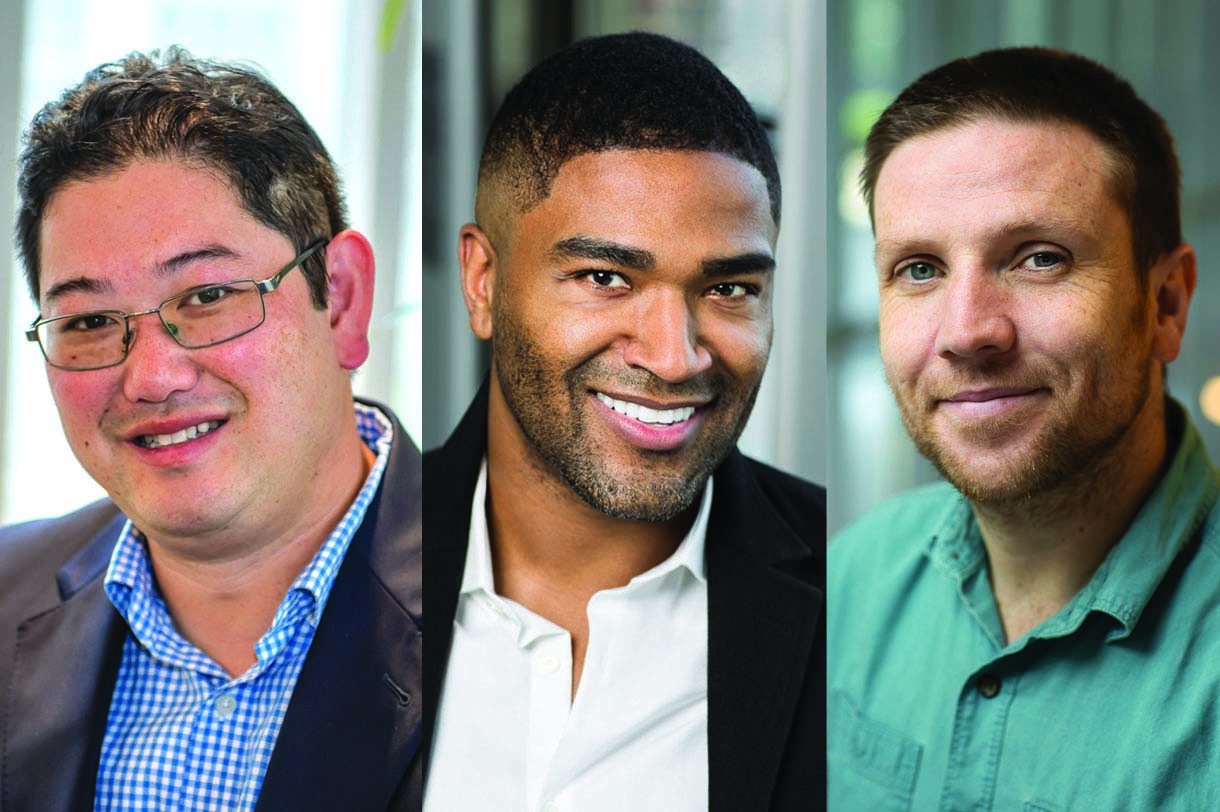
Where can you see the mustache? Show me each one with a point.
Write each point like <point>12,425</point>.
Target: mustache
<point>990,376</point>
<point>173,406</point>
<point>597,373</point>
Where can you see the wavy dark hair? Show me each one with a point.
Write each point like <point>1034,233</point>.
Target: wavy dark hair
<point>226,117</point>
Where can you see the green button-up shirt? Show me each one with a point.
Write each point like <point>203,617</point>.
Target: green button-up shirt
<point>1113,703</point>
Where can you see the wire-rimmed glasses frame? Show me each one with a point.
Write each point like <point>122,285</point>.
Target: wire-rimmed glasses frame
<point>41,331</point>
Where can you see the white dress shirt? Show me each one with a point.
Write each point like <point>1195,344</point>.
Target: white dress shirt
<point>509,735</point>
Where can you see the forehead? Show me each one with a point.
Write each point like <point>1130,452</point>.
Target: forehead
<point>134,216</point>
<point>639,194</point>
<point>992,175</point>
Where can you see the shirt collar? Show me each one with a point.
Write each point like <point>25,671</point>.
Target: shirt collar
<point>1126,580</point>
<point>477,575</point>
<point>129,580</point>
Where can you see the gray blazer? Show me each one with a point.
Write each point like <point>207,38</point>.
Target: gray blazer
<point>351,735</point>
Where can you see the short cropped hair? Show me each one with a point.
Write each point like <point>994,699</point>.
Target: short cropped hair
<point>620,91</point>
<point>223,117</point>
<point>1038,85</point>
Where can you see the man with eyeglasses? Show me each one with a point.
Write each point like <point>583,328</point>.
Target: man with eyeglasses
<point>237,627</point>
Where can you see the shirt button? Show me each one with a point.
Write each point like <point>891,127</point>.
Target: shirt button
<point>548,665</point>
<point>225,705</point>
<point>989,686</point>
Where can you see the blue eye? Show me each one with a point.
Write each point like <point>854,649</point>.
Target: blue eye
<point>920,271</point>
<point>1045,259</point>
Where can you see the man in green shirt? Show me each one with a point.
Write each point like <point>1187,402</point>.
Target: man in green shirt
<point>1042,632</point>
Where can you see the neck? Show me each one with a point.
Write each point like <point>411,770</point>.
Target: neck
<point>1043,551</point>
<point>224,605</point>
<point>551,552</point>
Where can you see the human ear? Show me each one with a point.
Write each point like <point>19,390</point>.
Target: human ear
<point>1172,282</point>
<point>351,272</point>
<point>478,262</point>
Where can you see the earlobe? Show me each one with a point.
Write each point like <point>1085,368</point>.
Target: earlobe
<point>1173,283</point>
<point>351,268</point>
<point>478,262</point>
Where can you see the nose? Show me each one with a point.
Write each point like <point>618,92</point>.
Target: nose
<point>665,340</point>
<point>156,366</point>
<point>975,321</point>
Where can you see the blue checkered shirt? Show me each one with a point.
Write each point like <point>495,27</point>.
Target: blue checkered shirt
<point>183,735</point>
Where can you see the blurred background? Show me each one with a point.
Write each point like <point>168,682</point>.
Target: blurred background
<point>774,51</point>
<point>353,69</point>
<point>875,48</point>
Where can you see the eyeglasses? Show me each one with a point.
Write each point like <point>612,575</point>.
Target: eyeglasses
<point>202,316</point>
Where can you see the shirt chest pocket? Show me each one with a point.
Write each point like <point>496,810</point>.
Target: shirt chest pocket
<point>871,766</point>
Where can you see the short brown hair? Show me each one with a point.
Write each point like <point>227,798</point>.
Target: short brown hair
<point>1035,85</point>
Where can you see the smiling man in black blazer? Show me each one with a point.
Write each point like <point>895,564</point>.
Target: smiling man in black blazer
<point>623,610</point>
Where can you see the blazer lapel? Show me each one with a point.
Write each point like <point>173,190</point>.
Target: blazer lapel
<point>762,628</point>
<point>451,475</point>
<point>351,735</point>
<point>65,665</point>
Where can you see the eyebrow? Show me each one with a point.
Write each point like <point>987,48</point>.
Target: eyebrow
<point>165,268</point>
<point>582,247</point>
<point>176,263</point>
<point>754,262</point>
<point>1051,226</point>
<point>624,256</point>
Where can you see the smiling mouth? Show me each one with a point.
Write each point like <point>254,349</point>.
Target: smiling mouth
<point>185,435</point>
<point>644,414</point>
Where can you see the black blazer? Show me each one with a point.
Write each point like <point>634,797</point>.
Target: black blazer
<point>351,735</point>
<point>766,571</point>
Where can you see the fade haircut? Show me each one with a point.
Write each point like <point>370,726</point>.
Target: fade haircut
<point>221,117</point>
<point>621,91</point>
<point>1041,85</point>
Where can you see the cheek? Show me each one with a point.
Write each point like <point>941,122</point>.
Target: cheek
<point>743,347</point>
<point>564,330</point>
<point>907,340</point>
<point>81,399</point>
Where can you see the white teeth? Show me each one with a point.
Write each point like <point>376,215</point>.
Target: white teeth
<point>190,433</point>
<point>646,415</point>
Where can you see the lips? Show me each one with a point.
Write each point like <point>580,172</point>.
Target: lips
<point>177,437</point>
<point>646,414</point>
<point>992,393</point>
<point>651,426</point>
<point>991,402</point>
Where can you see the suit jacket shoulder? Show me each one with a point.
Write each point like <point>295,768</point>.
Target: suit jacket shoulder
<point>32,553</point>
<point>801,504</point>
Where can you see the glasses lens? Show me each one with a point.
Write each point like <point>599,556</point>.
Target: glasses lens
<point>207,316</point>
<point>84,341</point>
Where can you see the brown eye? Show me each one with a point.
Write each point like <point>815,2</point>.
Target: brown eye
<point>732,290</point>
<point>606,279</point>
<point>88,323</point>
<point>206,296</point>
